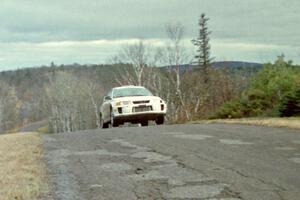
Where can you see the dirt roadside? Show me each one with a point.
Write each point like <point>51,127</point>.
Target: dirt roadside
<point>291,122</point>
<point>22,169</point>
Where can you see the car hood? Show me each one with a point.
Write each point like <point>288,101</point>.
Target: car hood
<point>137,98</point>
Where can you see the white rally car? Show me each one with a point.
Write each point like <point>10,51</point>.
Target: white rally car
<point>134,104</point>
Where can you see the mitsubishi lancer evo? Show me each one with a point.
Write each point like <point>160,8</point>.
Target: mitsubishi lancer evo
<point>133,104</point>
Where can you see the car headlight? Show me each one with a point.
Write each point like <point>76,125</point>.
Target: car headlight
<point>161,101</point>
<point>124,103</point>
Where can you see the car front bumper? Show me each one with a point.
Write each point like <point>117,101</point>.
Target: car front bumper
<point>138,117</point>
<point>139,113</point>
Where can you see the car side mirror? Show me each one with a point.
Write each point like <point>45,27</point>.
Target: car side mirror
<point>107,98</point>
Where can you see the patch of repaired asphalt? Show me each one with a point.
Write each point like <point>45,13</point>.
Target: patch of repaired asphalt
<point>115,167</point>
<point>98,152</point>
<point>225,199</point>
<point>151,175</point>
<point>193,137</point>
<point>145,153</point>
<point>296,160</point>
<point>129,145</point>
<point>66,186</point>
<point>156,171</point>
<point>124,143</point>
<point>151,156</point>
<point>234,142</point>
<point>285,148</point>
<point>173,133</point>
<point>96,186</point>
<point>173,174</point>
<point>296,141</point>
<point>180,174</point>
<point>198,191</point>
<point>184,182</point>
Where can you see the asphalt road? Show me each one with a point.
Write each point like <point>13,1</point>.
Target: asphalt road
<point>212,161</point>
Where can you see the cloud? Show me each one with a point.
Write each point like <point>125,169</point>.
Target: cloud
<point>26,54</point>
<point>115,43</point>
<point>247,46</point>
<point>87,31</point>
<point>252,52</point>
<point>58,20</point>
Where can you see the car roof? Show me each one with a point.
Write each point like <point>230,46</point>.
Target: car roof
<point>128,86</point>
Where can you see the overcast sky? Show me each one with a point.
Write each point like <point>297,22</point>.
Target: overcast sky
<point>36,32</point>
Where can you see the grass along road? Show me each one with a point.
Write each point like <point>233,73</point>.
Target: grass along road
<point>22,170</point>
<point>288,122</point>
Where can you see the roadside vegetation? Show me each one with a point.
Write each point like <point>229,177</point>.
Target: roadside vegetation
<point>22,172</point>
<point>274,92</point>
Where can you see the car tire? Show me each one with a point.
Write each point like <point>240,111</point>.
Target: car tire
<point>113,122</point>
<point>160,120</point>
<point>102,124</point>
<point>144,123</point>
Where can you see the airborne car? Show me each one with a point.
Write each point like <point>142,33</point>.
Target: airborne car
<point>134,104</point>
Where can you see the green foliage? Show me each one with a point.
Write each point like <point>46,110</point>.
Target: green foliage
<point>289,105</point>
<point>233,109</point>
<point>274,91</point>
<point>254,103</point>
<point>276,79</point>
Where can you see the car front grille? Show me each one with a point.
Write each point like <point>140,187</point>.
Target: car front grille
<point>141,101</point>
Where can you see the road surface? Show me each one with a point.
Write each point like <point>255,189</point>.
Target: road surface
<point>213,161</point>
<point>33,127</point>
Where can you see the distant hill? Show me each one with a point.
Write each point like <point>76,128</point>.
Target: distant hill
<point>246,69</point>
<point>237,64</point>
<point>222,64</point>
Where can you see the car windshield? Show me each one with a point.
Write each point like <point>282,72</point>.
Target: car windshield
<point>127,92</point>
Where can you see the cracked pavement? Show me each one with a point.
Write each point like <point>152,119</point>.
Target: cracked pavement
<point>212,161</point>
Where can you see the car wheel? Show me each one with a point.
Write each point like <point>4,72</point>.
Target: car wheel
<point>102,124</point>
<point>160,120</point>
<point>144,123</point>
<point>113,122</point>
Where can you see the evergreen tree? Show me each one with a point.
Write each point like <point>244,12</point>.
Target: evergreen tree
<point>203,47</point>
<point>290,104</point>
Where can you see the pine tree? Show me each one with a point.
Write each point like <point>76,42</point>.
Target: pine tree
<point>203,47</point>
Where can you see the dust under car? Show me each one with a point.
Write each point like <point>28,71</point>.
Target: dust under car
<point>134,104</point>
